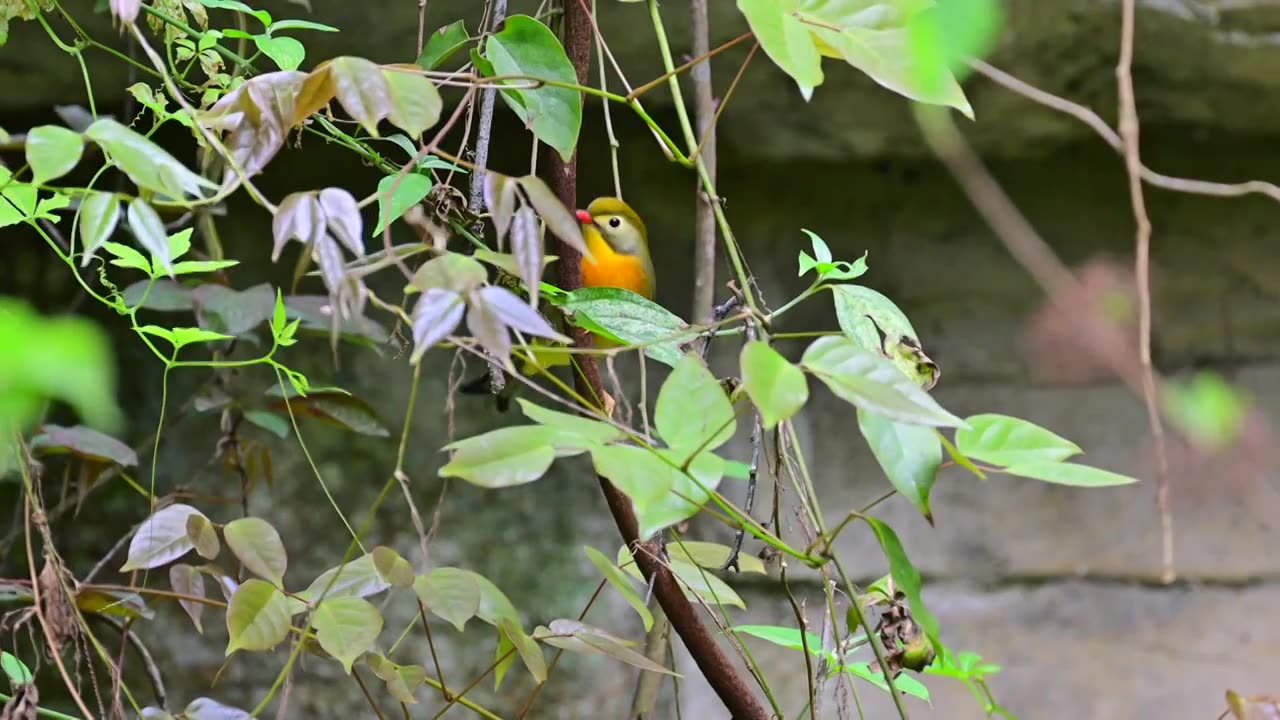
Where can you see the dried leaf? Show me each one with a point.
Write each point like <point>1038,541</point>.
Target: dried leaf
<point>560,221</point>
<point>526,245</point>
<point>507,307</point>
<point>343,218</point>
<point>298,216</point>
<point>362,89</point>
<point>435,317</point>
<point>487,328</point>
<point>500,198</point>
<point>186,580</point>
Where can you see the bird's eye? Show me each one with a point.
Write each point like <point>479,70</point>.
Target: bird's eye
<point>614,222</point>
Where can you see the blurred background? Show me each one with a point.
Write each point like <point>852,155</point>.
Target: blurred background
<point>1059,586</point>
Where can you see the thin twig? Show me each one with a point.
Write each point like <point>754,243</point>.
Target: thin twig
<point>1112,138</point>
<point>497,376</point>
<point>704,253</point>
<point>1129,130</point>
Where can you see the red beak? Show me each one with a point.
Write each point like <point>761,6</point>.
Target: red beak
<point>584,217</point>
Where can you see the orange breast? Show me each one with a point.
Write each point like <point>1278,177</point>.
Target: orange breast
<point>612,269</point>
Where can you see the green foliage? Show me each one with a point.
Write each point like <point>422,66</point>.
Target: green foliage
<point>777,387</point>
<point>629,319</point>
<point>871,382</point>
<point>526,49</point>
<point>874,38</point>
<point>240,112</point>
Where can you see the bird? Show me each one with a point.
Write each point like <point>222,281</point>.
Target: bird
<point>618,241</point>
<point>619,245</point>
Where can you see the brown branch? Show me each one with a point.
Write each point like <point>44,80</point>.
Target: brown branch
<point>1112,138</point>
<point>724,679</point>
<point>1142,270</point>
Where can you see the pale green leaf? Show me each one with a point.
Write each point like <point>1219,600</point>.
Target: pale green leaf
<point>257,617</point>
<point>909,455</point>
<point>778,388</point>
<point>52,152</point>
<point>346,627</point>
<point>257,544</point>
<point>1004,440</point>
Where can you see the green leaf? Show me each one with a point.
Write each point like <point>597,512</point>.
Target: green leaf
<point>300,25</point>
<point>415,101</point>
<point>576,636</point>
<point>576,433</point>
<point>529,651</point>
<point>786,40</point>
<point>451,594</point>
<point>618,579</point>
<point>784,636</point>
<point>909,455</point>
<point>712,556</point>
<point>165,295</point>
<point>943,38</point>
<point>146,164</point>
<point>257,617</point>
<point>903,683</point>
<point>695,582</point>
<point>201,533</point>
<point>179,337</point>
<point>1068,474</point>
<point>14,669</point>
<point>494,605</point>
<point>639,473</point>
<point>693,414</point>
<point>442,44</point>
<point>777,387</point>
<point>827,268</point>
<point>99,215</point>
<point>358,578</point>
<point>960,458</point>
<point>161,539</point>
<point>346,627</point>
<point>286,52</point>
<point>1206,408</point>
<point>872,382</point>
<point>127,257</point>
<point>906,578</point>
<point>65,358</point>
<point>411,190</point>
<point>503,457</point>
<point>52,152</point>
<point>1005,440</point>
<point>83,442</point>
<point>526,47</point>
<point>877,43</point>
<point>234,312</point>
<point>629,319</point>
<point>392,567</point>
<point>269,422</point>
<point>148,228</point>
<point>263,16</point>
<point>864,314</point>
<point>686,497</point>
<point>334,406</point>
<point>257,544</point>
